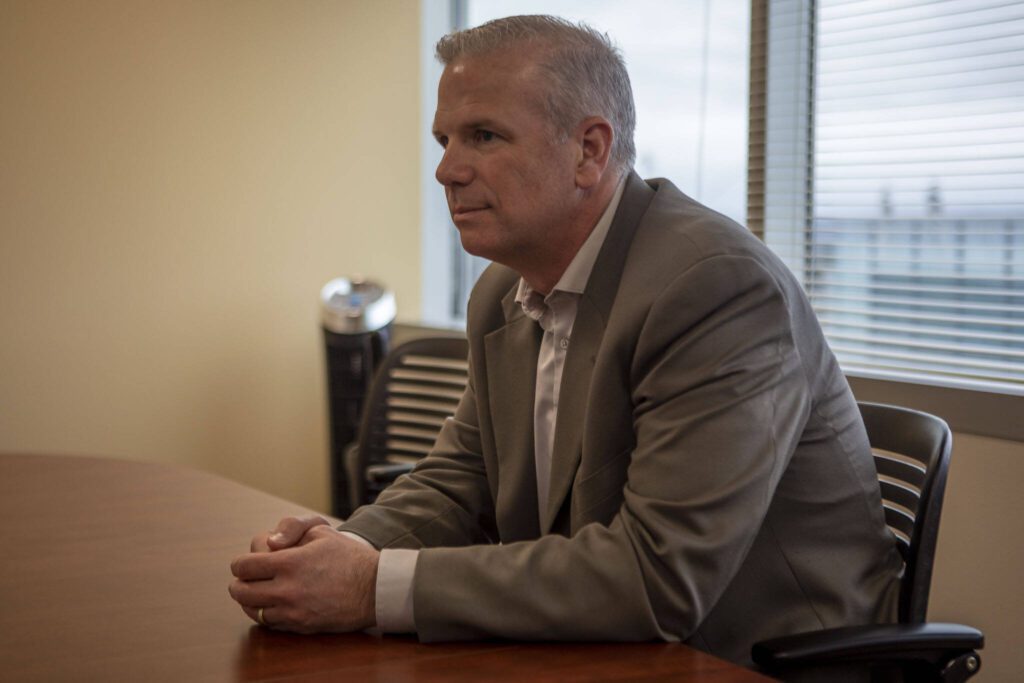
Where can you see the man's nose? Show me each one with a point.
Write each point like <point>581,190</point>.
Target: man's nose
<point>454,169</point>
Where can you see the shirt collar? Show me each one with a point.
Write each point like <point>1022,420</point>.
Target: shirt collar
<point>575,277</point>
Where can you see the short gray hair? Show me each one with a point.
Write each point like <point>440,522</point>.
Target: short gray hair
<point>586,73</point>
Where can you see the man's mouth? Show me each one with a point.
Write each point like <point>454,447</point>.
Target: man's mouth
<point>464,211</point>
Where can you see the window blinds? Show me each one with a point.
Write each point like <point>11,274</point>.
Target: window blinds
<point>888,172</point>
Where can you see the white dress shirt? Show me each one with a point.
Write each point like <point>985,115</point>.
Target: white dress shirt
<point>555,313</point>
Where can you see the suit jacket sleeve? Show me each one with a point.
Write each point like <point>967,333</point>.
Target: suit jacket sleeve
<point>719,400</point>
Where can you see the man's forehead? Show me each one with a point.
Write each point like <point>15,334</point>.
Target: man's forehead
<point>503,80</point>
<point>503,66</point>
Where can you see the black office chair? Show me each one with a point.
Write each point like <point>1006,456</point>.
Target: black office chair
<point>912,451</point>
<point>417,386</point>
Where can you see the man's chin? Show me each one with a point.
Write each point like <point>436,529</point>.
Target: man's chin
<point>473,248</point>
<point>473,244</point>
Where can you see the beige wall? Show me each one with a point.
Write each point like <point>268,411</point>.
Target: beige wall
<point>980,558</point>
<point>177,180</point>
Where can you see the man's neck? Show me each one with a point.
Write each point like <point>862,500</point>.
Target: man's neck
<point>544,274</point>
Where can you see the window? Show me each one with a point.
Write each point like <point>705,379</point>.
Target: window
<point>887,169</point>
<point>689,71</point>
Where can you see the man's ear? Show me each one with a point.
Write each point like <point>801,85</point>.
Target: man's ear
<point>595,136</point>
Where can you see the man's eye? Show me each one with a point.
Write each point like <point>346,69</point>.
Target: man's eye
<point>485,136</point>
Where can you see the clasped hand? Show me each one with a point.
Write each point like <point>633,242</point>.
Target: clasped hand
<point>308,578</point>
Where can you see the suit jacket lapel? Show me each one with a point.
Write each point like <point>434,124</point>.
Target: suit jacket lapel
<point>587,333</point>
<point>511,375</point>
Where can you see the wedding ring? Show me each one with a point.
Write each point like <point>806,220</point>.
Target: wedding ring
<point>259,617</point>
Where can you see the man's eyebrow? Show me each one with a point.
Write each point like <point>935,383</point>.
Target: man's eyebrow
<point>474,124</point>
<point>482,123</point>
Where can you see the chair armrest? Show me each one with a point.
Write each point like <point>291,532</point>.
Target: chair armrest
<point>883,642</point>
<point>386,473</point>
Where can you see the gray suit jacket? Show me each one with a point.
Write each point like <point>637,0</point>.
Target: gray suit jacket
<point>711,478</point>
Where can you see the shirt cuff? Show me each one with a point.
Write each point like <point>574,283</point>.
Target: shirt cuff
<point>395,571</point>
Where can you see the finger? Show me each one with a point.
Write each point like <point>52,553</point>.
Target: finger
<point>254,567</point>
<point>252,593</point>
<point>259,543</point>
<point>318,532</point>
<point>270,616</point>
<point>290,530</point>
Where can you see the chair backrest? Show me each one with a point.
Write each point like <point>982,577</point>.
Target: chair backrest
<point>912,451</point>
<point>416,388</point>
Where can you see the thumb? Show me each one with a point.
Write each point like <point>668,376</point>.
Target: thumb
<point>290,531</point>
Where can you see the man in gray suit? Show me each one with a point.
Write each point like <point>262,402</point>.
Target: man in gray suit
<point>656,442</point>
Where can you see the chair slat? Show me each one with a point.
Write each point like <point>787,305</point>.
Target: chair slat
<point>401,431</point>
<point>400,459</point>
<point>899,519</point>
<point>900,470</point>
<point>425,391</point>
<point>408,375</point>
<point>408,446</point>
<point>900,494</point>
<point>443,408</point>
<point>903,545</point>
<point>432,362</point>
<point>426,419</point>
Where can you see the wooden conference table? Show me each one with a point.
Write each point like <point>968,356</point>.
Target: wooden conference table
<point>118,571</point>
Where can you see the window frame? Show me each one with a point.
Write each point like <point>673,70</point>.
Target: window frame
<point>447,272</point>
<point>436,257</point>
